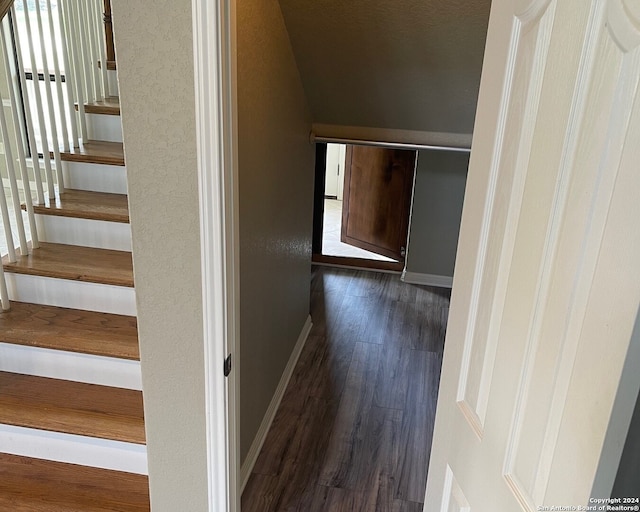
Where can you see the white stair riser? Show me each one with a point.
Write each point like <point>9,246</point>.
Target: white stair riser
<point>86,232</point>
<point>95,177</point>
<point>59,364</point>
<point>104,127</point>
<point>112,82</point>
<point>65,293</point>
<point>73,449</point>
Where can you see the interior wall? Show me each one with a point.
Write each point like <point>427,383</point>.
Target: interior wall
<point>617,474</point>
<point>407,64</point>
<point>436,212</point>
<point>154,41</point>
<point>276,167</point>
<point>627,481</point>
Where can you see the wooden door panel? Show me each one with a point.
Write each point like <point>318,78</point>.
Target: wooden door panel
<point>378,184</point>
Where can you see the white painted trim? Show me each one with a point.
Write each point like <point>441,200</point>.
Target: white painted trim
<point>74,449</point>
<point>74,366</point>
<point>427,279</point>
<point>216,115</point>
<point>384,136</point>
<point>270,414</point>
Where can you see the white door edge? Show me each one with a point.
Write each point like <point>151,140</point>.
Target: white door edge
<point>215,79</point>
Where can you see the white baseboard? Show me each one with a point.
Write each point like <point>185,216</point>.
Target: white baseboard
<point>427,279</point>
<point>261,435</point>
<point>60,364</point>
<point>74,449</point>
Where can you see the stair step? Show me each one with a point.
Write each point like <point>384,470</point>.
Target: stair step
<point>72,330</point>
<point>30,485</point>
<point>75,263</point>
<point>109,106</point>
<point>96,152</point>
<point>83,204</point>
<point>71,407</point>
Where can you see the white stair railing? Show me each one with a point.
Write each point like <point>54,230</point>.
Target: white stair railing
<point>54,60</point>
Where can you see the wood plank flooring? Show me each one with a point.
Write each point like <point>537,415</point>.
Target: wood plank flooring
<point>96,152</point>
<point>71,407</point>
<point>75,263</point>
<point>28,485</point>
<point>73,330</point>
<point>109,106</point>
<point>83,204</point>
<point>353,431</point>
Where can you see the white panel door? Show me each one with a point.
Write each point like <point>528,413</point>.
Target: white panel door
<point>333,171</point>
<point>547,279</point>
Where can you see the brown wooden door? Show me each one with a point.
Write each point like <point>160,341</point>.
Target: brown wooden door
<point>378,184</point>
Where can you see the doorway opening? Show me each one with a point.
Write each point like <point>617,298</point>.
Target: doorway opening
<point>362,205</point>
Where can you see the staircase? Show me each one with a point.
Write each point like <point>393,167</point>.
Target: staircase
<point>72,432</point>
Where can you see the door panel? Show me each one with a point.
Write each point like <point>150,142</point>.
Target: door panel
<point>546,286</point>
<point>378,184</point>
<point>333,174</point>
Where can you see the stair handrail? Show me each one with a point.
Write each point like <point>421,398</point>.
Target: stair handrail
<point>5,5</point>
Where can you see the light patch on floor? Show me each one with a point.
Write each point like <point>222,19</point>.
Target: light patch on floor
<point>331,244</point>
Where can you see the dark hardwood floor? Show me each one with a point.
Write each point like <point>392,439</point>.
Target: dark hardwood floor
<point>353,431</point>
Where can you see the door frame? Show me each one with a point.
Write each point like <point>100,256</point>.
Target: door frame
<point>317,256</point>
<point>214,43</point>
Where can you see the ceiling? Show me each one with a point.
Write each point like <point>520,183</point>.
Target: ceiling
<point>402,64</point>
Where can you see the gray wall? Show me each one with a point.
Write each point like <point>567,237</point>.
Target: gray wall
<point>436,212</point>
<point>406,64</point>
<point>154,42</point>
<point>276,165</point>
<point>627,481</point>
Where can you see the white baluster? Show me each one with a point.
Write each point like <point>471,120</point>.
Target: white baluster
<point>102,38</point>
<point>77,62</point>
<point>58,75</point>
<point>4,294</point>
<point>92,28</point>
<point>11,172</point>
<point>55,142</point>
<point>70,79</point>
<point>85,45</point>
<point>43,127</point>
<point>26,186</point>
<point>6,221</point>
<point>27,109</point>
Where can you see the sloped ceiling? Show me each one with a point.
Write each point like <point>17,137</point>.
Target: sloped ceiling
<point>392,64</point>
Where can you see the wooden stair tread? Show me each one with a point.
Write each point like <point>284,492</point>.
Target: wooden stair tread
<point>29,485</point>
<point>72,330</point>
<point>84,204</point>
<point>96,152</point>
<point>109,106</point>
<point>71,407</point>
<point>76,263</point>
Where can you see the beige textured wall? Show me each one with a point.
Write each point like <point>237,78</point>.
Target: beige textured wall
<point>276,166</point>
<point>437,208</point>
<point>155,66</point>
<point>406,64</point>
